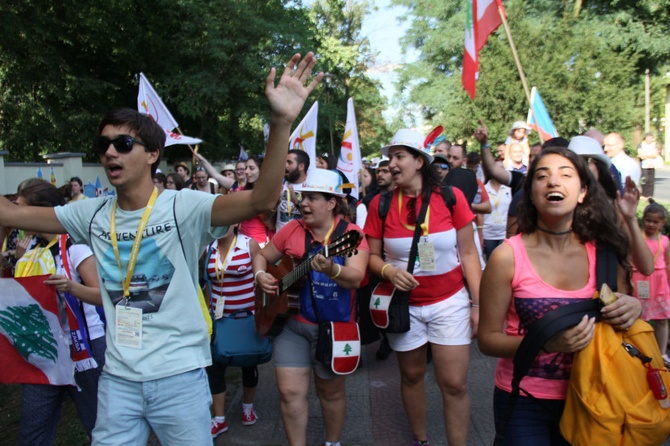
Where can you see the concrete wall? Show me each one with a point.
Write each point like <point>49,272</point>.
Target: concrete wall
<point>65,165</point>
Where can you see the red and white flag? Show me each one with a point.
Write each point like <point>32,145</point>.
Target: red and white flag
<point>481,20</point>
<point>33,345</point>
<point>346,347</point>
<point>304,136</point>
<point>380,302</point>
<point>350,162</point>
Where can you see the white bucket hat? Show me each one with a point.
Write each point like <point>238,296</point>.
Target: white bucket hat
<point>412,140</point>
<point>520,125</point>
<point>322,180</point>
<point>589,147</point>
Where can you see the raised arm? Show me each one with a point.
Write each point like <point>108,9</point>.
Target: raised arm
<point>641,256</point>
<point>223,181</point>
<point>286,100</point>
<point>488,163</point>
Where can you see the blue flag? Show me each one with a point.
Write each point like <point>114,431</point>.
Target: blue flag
<point>538,117</point>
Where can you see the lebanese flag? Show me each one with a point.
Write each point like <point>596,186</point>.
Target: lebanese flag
<point>304,136</point>
<point>33,346</point>
<point>380,302</point>
<point>346,347</point>
<point>481,20</point>
<point>349,162</point>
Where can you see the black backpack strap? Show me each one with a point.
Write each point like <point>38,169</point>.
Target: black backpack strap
<point>449,197</point>
<point>338,231</point>
<point>607,266</point>
<point>383,210</point>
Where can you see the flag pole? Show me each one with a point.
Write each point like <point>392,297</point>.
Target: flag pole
<point>518,64</point>
<point>516,55</point>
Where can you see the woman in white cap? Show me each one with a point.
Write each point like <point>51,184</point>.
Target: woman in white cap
<point>442,312</point>
<point>322,206</point>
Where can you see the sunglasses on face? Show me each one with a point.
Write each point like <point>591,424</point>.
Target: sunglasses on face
<point>441,166</point>
<point>122,144</point>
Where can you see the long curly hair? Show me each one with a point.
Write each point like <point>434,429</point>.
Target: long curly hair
<point>430,183</point>
<point>595,219</point>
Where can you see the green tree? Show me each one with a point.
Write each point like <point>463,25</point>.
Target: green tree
<point>62,64</point>
<point>345,56</point>
<point>587,61</point>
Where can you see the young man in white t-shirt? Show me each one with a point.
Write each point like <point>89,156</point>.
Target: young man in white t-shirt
<point>147,250</point>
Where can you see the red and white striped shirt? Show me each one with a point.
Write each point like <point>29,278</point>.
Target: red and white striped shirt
<point>237,286</point>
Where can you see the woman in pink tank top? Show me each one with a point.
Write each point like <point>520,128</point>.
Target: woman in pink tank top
<point>550,263</point>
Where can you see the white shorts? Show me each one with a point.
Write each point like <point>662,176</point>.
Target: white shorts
<point>445,323</point>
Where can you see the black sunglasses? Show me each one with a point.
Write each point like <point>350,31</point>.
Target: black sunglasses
<point>122,144</point>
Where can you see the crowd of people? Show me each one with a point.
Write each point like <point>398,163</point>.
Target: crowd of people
<point>482,242</point>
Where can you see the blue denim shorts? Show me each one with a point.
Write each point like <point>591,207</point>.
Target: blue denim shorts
<point>175,407</point>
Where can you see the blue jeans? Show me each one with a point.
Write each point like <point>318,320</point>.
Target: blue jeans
<point>533,422</point>
<point>42,403</point>
<point>176,408</point>
<point>490,245</point>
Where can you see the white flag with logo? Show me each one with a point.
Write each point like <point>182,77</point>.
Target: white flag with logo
<point>173,138</point>
<point>304,136</point>
<point>349,161</point>
<point>150,103</point>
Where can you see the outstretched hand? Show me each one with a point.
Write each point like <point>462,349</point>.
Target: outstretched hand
<point>627,203</point>
<point>288,96</point>
<point>482,133</point>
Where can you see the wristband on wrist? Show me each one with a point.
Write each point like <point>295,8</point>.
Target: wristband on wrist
<point>256,275</point>
<point>386,265</point>
<point>474,305</point>
<point>337,274</point>
<point>486,145</point>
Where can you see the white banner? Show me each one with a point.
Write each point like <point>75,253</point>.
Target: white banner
<point>150,103</point>
<point>304,136</point>
<point>349,161</point>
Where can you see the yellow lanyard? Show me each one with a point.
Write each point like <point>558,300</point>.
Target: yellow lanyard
<point>424,225</point>
<point>132,260</point>
<point>33,256</point>
<point>220,271</point>
<point>497,194</point>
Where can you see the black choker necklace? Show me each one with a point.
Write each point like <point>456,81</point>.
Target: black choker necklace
<point>554,232</point>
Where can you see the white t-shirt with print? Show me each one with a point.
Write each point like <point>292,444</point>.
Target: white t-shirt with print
<point>164,282</point>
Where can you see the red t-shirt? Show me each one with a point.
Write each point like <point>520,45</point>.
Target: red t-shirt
<point>447,279</point>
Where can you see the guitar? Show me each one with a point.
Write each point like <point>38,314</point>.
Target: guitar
<point>272,311</point>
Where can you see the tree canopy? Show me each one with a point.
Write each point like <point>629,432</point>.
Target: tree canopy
<point>63,64</point>
<point>587,60</point>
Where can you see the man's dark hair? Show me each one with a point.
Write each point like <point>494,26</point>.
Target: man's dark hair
<point>146,129</point>
<point>301,156</point>
<point>383,163</point>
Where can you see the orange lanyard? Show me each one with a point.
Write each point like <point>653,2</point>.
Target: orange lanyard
<point>132,260</point>
<point>424,225</point>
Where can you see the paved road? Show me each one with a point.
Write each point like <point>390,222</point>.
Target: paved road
<point>374,410</point>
